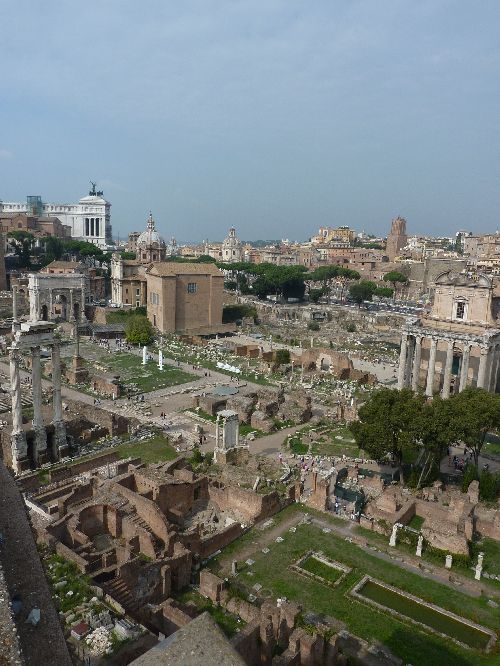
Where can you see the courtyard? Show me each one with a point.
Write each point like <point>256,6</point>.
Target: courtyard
<point>265,558</point>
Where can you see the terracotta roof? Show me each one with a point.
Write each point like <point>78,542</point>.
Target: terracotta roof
<point>172,268</point>
<point>63,264</point>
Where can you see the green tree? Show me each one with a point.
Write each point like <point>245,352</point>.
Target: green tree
<point>22,242</point>
<point>475,413</point>
<point>470,474</point>
<point>384,292</point>
<point>315,295</point>
<point>54,248</point>
<point>139,330</point>
<point>282,357</point>
<point>362,291</point>
<point>395,278</point>
<point>128,255</point>
<point>313,326</point>
<point>389,423</point>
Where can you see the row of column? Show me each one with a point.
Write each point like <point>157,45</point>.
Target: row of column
<point>410,359</point>
<point>18,436</point>
<point>92,226</point>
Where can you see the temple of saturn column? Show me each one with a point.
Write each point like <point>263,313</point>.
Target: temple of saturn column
<point>36,445</point>
<point>456,344</point>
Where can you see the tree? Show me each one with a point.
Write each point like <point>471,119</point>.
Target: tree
<point>139,330</point>
<point>475,413</point>
<point>315,295</point>
<point>389,423</point>
<point>345,277</point>
<point>128,255</point>
<point>282,357</point>
<point>23,245</point>
<point>470,474</point>
<point>54,248</point>
<point>383,292</point>
<point>395,278</point>
<point>362,291</point>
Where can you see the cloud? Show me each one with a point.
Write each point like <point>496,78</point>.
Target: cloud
<point>5,154</point>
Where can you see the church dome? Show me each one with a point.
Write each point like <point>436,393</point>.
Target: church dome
<point>150,237</point>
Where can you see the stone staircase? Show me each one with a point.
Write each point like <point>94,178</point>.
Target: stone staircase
<point>120,592</point>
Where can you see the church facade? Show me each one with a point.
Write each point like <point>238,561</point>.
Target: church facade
<point>456,344</point>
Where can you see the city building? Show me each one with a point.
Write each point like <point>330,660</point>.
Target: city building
<point>328,235</point>
<point>38,226</point>
<point>89,219</point>
<point>456,344</point>
<point>397,238</point>
<point>231,248</point>
<point>185,298</point>
<point>149,245</point>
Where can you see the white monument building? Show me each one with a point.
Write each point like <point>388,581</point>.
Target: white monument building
<point>89,219</point>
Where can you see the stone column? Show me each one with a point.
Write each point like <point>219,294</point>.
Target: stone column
<point>40,434</point>
<point>15,321</point>
<point>481,375</point>
<point>429,388</point>
<point>495,365</point>
<point>71,314</point>
<point>18,436</point>
<point>60,443</point>
<point>416,363</point>
<point>402,361</point>
<point>409,361</point>
<point>83,318</point>
<point>464,370</point>
<point>447,370</point>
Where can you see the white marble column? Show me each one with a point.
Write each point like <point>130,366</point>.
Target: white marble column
<point>447,370</point>
<point>70,316</point>
<point>483,361</point>
<point>402,360</point>
<point>409,361</point>
<point>431,369</point>
<point>464,368</point>
<point>416,363</point>
<point>18,436</point>
<point>36,376</point>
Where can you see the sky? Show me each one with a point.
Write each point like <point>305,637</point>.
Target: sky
<point>273,116</point>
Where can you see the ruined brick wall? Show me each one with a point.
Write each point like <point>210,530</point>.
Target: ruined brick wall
<point>219,540</point>
<point>148,511</point>
<point>247,643</point>
<point>252,506</point>
<point>115,424</point>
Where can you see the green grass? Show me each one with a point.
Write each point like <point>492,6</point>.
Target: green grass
<point>152,450</point>
<point>491,550</point>
<point>315,566</point>
<point>144,378</point>
<point>492,448</point>
<point>413,644</point>
<point>416,522</point>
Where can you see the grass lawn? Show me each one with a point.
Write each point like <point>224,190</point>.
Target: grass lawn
<point>144,378</point>
<point>492,448</point>
<point>416,522</point>
<point>413,644</point>
<point>315,566</point>
<point>152,450</point>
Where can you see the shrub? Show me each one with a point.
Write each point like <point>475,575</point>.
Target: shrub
<point>313,326</point>
<point>282,356</point>
<point>350,327</point>
<point>470,474</point>
<point>139,330</point>
<point>489,486</point>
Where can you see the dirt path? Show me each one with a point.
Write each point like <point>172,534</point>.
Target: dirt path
<point>262,540</point>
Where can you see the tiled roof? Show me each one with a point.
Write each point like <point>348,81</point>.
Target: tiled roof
<point>172,268</point>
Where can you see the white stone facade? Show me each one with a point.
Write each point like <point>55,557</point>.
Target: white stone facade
<point>89,219</point>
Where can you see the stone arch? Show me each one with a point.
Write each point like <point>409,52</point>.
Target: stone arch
<point>44,313</point>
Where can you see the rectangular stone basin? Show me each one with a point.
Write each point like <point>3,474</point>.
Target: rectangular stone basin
<point>426,614</point>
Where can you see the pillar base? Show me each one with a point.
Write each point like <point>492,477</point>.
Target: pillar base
<point>40,453</point>
<point>20,462</point>
<point>61,448</point>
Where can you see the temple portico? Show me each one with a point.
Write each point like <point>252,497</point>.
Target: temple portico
<point>38,448</point>
<point>457,344</point>
<point>442,362</point>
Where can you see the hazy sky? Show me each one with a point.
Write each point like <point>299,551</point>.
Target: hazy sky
<point>272,116</point>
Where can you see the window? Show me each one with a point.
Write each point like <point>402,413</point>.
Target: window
<point>137,292</point>
<point>192,287</point>
<point>460,310</point>
<point>155,299</point>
